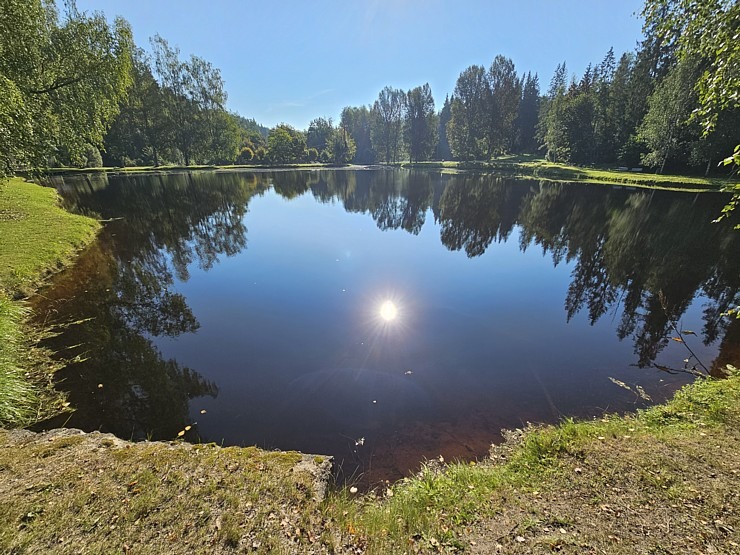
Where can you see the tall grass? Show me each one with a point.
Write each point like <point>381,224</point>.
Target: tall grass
<point>37,237</point>
<point>18,397</point>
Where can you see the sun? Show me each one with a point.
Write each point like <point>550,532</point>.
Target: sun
<point>388,311</point>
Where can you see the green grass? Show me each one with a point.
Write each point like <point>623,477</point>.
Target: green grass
<point>538,168</point>
<point>525,166</point>
<point>18,397</point>
<point>548,489</point>
<point>431,511</point>
<point>38,237</point>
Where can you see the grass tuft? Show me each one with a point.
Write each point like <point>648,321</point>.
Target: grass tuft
<point>18,397</point>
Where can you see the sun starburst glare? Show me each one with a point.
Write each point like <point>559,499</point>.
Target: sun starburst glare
<point>388,311</point>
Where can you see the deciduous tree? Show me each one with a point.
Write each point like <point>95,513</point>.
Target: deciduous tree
<point>469,116</point>
<point>62,77</point>
<point>421,123</point>
<point>387,124</point>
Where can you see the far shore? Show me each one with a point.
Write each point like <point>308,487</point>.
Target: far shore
<point>522,166</point>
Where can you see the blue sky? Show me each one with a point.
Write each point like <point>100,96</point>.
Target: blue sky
<point>291,61</point>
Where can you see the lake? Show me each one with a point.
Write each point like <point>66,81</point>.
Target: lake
<point>382,316</point>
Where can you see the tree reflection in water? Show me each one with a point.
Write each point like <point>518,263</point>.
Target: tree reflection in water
<point>640,256</point>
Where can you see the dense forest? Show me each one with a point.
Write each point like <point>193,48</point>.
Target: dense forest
<point>75,90</point>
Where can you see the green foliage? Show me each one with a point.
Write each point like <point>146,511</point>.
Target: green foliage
<point>246,155</point>
<point>505,95</point>
<point>421,123</point>
<point>193,99</point>
<point>665,127</point>
<point>342,147</point>
<point>260,155</point>
<point>484,111</point>
<point>443,151</point>
<point>285,145</point>
<point>708,30</point>
<point>61,80</point>
<point>387,124</point>
<point>526,119</point>
<point>467,125</point>
<point>358,122</point>
<point>319,133</point>
<point>91,158</point>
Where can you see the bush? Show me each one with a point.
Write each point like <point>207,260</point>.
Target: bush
<point>313,154</point>
<point>92,158</point>
<point>246,155</point>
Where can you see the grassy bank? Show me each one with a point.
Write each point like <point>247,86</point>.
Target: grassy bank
<point>531,166</point>
<point>38,238</point>
<point>666,480</point>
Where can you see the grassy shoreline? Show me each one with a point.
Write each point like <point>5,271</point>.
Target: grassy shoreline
<point>521,166</point>
<point>38,238</point>
<point>538,168</point>
<point>603,486</point>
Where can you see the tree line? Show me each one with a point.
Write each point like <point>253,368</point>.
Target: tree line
<point>76,90</point>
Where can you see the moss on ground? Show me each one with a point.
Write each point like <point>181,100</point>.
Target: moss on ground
<point>68,492</point>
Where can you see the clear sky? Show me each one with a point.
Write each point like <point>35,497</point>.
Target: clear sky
<point>293,60</point>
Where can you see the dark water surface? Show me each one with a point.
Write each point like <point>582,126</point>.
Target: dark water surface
<point>248,306</point>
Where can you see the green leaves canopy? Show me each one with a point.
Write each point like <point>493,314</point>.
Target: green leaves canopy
<point>61,80</point>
